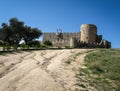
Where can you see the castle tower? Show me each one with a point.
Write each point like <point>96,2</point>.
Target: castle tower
<point>88,33</point>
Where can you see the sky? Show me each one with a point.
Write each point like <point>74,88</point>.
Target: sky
<point>69,15</point>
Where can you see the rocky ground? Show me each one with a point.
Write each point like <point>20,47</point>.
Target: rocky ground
<point>43,70</point>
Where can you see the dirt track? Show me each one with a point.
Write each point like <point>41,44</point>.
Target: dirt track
<point>44,70</point>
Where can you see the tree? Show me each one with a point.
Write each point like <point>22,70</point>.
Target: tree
<point>16,31</point>
<point>4,32</point>
<point>31,34</point>
<point>13,32</point>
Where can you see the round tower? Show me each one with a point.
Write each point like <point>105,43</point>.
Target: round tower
<point>88,33</point>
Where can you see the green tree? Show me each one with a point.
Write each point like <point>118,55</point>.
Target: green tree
<point>13,32</point>
<point>16,31</point>
<point>4,32</point>
<point>31,34</point>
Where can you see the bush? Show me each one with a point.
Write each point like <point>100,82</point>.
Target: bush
<point>24,46</point>
<point>47,42</point>
<point>34,43</point>
<point>59,47</point>
<point>15,47</point>
<point>43,46</point>
<point>67,47</point>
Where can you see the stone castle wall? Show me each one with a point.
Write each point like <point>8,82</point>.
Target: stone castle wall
<point>87,37</point>
<point>56,41</point>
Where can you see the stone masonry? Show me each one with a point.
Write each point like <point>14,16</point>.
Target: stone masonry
<point>86,38</point>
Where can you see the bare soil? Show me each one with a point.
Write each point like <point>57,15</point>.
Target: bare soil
<point>44,70</point>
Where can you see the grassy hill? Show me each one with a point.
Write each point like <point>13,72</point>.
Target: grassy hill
<point>101,71</point>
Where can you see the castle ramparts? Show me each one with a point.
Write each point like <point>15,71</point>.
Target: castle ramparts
<point>87,37</point>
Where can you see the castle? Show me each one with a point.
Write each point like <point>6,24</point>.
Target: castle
<point>86,38</point>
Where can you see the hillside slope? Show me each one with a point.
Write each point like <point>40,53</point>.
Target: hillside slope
<point>101,71</point>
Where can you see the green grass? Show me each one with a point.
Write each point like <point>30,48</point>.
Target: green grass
<point>104,69</point>
<point>106,62</point>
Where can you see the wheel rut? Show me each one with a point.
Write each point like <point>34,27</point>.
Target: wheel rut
<point>43,70</point>
<point>11,66</point>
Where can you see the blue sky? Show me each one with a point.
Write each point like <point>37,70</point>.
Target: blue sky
<point>48,15</point>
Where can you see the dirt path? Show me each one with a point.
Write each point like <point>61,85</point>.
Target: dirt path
<point>45,70</point>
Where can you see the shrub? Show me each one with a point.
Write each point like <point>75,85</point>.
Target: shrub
<point>43,46</point>
<point>34,43</point>
<point>59,47</point>
<point>67,47</point>
<point>15,47</point>
<point>24,46</point>
<point>47,42</point>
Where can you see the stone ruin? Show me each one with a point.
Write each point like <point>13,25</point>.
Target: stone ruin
<point>86,38</point>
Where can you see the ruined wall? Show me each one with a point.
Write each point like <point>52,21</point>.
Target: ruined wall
<point>88,33</point>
